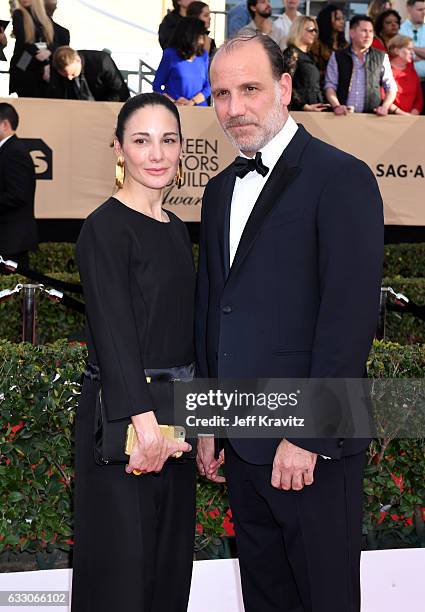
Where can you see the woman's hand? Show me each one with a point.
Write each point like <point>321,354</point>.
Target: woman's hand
<point>151,450</point>
<point>43,55</point>
<point>46,73</point>
<point>183,101</point>
<point>315,108</point>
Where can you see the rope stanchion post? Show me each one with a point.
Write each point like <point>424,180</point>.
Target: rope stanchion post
<point>380,330</point>
<point>29,313</point>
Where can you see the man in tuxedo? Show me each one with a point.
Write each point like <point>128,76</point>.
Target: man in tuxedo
<point>291,236</point>
<point>86,75</point>
<point>18,229</point>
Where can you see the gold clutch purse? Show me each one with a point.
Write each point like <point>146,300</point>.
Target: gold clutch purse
<point>172,432</point>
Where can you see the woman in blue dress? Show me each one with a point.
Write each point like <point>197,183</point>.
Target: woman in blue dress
<point>182,74</point>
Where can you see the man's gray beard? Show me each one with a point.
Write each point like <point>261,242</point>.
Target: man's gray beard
<point>273,125</point>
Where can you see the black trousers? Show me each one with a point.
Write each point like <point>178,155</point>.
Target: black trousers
<point>133,535</point>
<point>299,551</point>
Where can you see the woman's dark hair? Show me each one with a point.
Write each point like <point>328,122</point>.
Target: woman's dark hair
<point>379,21</point>
<point>176,5</point>
<point>195,8</point>
<point>141,101</point>
<point>185,39</point>
<point>324,22</point>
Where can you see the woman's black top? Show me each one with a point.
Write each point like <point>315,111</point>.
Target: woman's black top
<point>26,72</point>
<point>138,280</point>
<point>21,45</point>
<point>305,77</point>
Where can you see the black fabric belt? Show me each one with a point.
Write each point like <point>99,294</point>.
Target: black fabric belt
<point>182,373</point>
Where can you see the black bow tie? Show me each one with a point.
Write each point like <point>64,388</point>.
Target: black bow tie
<point>243,165</point>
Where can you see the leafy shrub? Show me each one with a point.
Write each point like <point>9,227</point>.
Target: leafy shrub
<point>39,389</point>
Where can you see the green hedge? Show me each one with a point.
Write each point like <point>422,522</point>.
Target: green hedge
<point>39,388</point>
<point>400,259</point>
<point>54,321</point>
<point>54,257</point>
<point>404,260</point>
<point>406,329</point>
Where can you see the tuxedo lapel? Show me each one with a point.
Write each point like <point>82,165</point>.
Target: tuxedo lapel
<point>281,177</point>
<point>224,200</point>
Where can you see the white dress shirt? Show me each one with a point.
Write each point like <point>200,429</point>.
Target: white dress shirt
<point>248,188</point>
<point>5,140</point>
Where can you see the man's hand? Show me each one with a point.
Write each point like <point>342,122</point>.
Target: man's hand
<point>381,111</point>
<point>207,464</point>
<point>293,467</point>
<point>340,110</point>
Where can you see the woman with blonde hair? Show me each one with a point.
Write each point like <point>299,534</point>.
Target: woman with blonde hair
<point>409,99</point>
<point>376,7</point>
<point>299,63</point>
<point>30,63</point>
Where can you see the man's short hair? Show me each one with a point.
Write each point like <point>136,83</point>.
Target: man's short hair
<point>356,19</point>
<point>8,113</point>
<point>272,49</point>
<point>249,5</point>
<point>412,2</point>
<point>63,57</point>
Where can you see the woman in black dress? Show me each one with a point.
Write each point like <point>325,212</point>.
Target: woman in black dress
<point>30,63</point>
<point>306,93</point>
<point>134,533</point>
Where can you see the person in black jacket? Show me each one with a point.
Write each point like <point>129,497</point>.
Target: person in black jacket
<point>86,75</point>
<point>18,229</point>
<point>134,525</point>
<point>299,63</point>
<point>35,41</point>
<point>170,21</point>
<point>282,229</point>
<point>62,35</point>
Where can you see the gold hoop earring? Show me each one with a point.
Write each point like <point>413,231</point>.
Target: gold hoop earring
<point>120,172</point>
<point>179,176</point>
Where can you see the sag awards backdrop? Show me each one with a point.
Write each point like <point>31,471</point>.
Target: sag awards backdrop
<point>70,144</point>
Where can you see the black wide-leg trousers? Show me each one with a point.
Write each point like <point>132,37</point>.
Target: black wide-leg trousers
<point>133,535</point>
<point>299,551</point>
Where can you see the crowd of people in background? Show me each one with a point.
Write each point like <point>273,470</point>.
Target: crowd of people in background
<point>375,64</point>
<point>374,69</point>
<point>43,65</point>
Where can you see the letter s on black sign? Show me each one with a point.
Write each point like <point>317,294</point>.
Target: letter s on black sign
<point>42,157</point>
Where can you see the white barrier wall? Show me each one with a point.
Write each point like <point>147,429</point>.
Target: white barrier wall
<point>392,581</point>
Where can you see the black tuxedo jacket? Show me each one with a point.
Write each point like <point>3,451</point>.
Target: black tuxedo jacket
<point>301,298</point>
<point>102,75</point>
<point>62,35</point>
<point>18,229</point>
